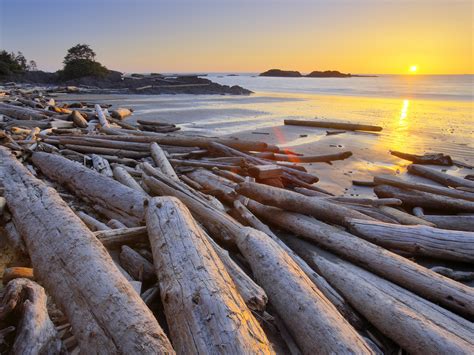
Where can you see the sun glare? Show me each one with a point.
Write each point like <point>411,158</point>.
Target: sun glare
<point>413,68</point>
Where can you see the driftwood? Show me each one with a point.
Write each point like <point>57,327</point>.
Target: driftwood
<point>461,223</point>
<point>121,113</point>
<point>431,159</point>
<point>35,332</point>
<point>192,141</point>
<point>91,185</point>
<point>424,199</point>
<point>115,224</point>
<point>21,113</point>
<point>204,311</point>
<point>438,176</point>
<point>78,120</point>
<point>107,151</point>
<point>307,314</point>
<point>394,181</point>
<point>254,296</point>
<point>98,142</point>
<point>114,238</point>
<point>403,217</point>
<point>418,240</point>
<point>292,201</point>
<point>311,158</point>
<point>397,269</point>
<point>162,162</point>
<point>121,175</point>
<point>136,265</point>
<point>91,222</point>
<point>104,310</point>
<point>102,119</point>
<point>101,165</point>
<point>452,274</point>
<point>17,272</point>
<point>419,326</point>
<point>335,125</point>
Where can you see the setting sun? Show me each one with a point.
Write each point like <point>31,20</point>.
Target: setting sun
<point>413,68</point>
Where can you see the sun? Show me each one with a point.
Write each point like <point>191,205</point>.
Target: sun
<point>413,68</point>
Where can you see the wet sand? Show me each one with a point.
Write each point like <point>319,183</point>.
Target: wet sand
<point>412,126</point>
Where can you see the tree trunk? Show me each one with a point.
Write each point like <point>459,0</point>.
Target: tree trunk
<point>162,162</point>
<point>114,238</point>
<point>418,240</point>
<point>417,325</point>
<point>121,175</point>
<point>100,114</point>
<point>416,278</point>
<point>25,300</point>
<point>424,199</point>
<point>104,310</point>
<point>307,314</point>
<point>205,313</point>
<point>438,190</point>
<point>136,265</point>
<point>335,125</point>
<point>91,185</point>
<point>461,223</point>
<point>123,153</point>
<point>438,176</point>
<point>91,222</point>
<point>403,217</point>
<point>312,158</point>
<point>293,201</point>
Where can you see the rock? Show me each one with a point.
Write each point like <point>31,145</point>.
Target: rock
<point>282,73</point>
<point>328,74</point>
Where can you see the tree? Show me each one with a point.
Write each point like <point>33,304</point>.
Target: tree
<point>32,66</point>
<point>11,63</point>
<point>80,62</point>
<point>79,51</point>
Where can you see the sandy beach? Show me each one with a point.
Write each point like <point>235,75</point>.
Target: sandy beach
<point>409,125</point>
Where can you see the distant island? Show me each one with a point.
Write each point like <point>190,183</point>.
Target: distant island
<point>313,74</point>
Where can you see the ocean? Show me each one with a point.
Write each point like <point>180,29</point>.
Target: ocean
<point>419,114</point>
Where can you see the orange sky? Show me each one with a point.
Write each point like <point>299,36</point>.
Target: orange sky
<point>356,36</point>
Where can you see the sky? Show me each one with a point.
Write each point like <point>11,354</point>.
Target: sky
<point>354,36</point>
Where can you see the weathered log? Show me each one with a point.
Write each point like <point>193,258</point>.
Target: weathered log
<point>100,114</point>
<point>454,274</point>
<point>265,171</point>
<point>380,261</point>
<point>293,201</point>
<point>120,174</point>
<point>123,153</point>
<point>404,218</point>
<point>431,159</point>
<point>205,313</point>
<point>335,125</point>
<point>461,223</point>
<point>330,293</point>
<point>136,265</point>
<point>114,238</point>
<point>161,161</point>
<point>21,113</point>
<point>155,123</point>
<point>312,158</point>
<point>91,222</point>
<point>91,185</point>
<point>363,201</point>
<point>418,240</point>
<point>192,141</point>
<point>204,164</point>
<point>307,313</point>
<point>394,181</point>
<point>78,120</point>
<point>14,238</point>
<point>424,199</point>
<point>121,113</point>
<point>115,224</point>
<point>254,296</point>
<point>35,332</point>
<point>104,310</point>
<point>438,176</point>
<point>228,175</point>
<point>417,325</point>
<point>97,142</point>
<point>101,165</point>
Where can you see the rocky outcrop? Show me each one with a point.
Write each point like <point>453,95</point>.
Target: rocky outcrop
<point>328,74</point>
<point>282,73</point>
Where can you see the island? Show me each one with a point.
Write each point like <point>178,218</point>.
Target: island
<point>313,74</point>
<point>282,73</point>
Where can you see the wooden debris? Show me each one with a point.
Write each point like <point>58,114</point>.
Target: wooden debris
<point>334,125</point>
<point>430,159</point>
<point>442,178</point>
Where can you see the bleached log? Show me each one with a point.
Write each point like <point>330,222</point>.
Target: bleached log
<point>115,238</point>
<point>136,265</point>
<point>123,153</point>
<point>380,261</point>
<point>439,190</point>
<point>35,332</point>
<point>461,223</point>
<point>424,199</point>
<point>306,312</point>
<point>404,218</point>
<point>101,165</point>
<point>293,201</point>
<point>418,240</point>
<point>121,113</point>
<point>91,222</point>
<point>93,141</point>
<point>77,271</point>
<point>78,120</point>
<point>162,162</point>
<point>92,186</point>
<point>205,313</point>
<point>311,158</point>
<point>121,175</point>
<point>115,224</point>
<point>416,324</point>
<point>22,113</point>
<point>335,125</point>
<point>438,176</point>
<point>15,240</point>
<point>100,114</point>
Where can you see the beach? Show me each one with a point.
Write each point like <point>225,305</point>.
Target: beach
<point>418,115</point>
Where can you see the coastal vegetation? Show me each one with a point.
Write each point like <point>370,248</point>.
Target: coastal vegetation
<point>11,63</point>
<point>80,62</point>
<point>313,74</point>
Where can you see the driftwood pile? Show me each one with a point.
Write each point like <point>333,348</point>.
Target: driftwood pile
<point>138,240</point>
